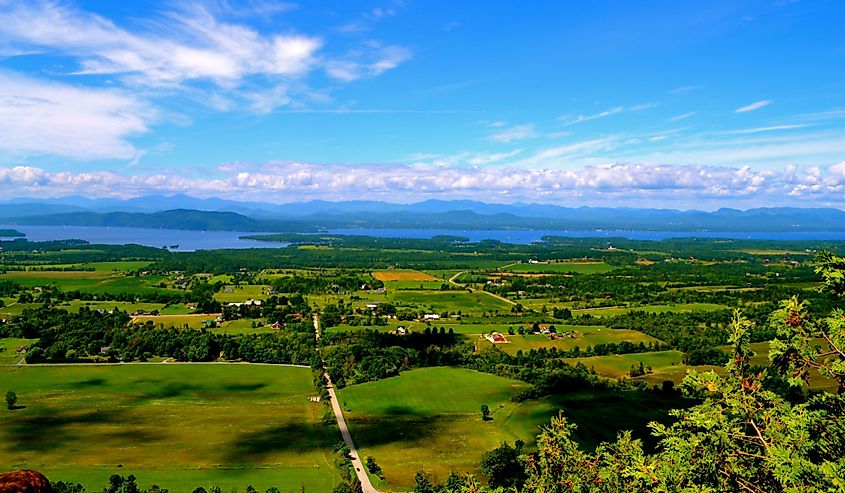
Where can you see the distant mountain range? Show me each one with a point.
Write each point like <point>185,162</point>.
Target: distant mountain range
<point>185,212</point>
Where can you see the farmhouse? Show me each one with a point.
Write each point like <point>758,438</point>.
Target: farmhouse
<point>431,316</point>
<point>495,338</point>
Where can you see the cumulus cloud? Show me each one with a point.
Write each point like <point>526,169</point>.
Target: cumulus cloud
<point>38,117</point>
<point>610,183</point>
<point>753,106</point>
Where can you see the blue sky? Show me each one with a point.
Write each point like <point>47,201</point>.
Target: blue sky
<point>667,104</point>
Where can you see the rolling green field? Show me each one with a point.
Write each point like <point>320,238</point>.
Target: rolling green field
<point>450,301</point>
<point>240,294</point>
<point>584,336</point>
<point>8,354</point>
<point>179,426</point>
<point>561,268</point>
<point>193,321</point>
<point>98,281</point>
<point>618,365</point>
<point>680,307</point>
<point>429,419</point>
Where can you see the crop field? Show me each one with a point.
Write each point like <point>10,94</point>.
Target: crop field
<point>403,275</point>
<point>179,426</point>
<point>618,365</point>
<point>464,301</point>
<point>680,307</point>
<point>584,336</point>
<point>561,268</point>
<point>429,419</point>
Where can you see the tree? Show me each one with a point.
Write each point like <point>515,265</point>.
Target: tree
<point>424,483</point>
<point>11,400</point>
<point>485,412</point>
<point>503,467</point>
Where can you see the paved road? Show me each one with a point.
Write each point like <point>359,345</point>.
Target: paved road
<point>452,281</point>
<point>366,484</point>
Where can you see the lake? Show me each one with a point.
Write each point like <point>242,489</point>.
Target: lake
<point>210,240</point>
<point>529,236</point>
<point>187,240</point>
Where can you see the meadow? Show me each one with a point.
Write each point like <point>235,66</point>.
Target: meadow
<point>679,307</point>
<point>463,301</point>
<point>403,275</point>
<point>618,365</point>
<point>560,268</point>
<point>584,335</point>
<point>429,419</point>
<point>179,426</point>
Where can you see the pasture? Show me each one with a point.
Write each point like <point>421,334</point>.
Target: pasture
<point>560,268</point>
<point>241,293</point>
<point>179,426</point>
<point>618,365</point>
<point>191,321</point>
<point>429,419</point>
<point>403,275</point>
<point>583,336</point>
<point>679,307</point>
<point>464,301</point>
<point>8,350</point>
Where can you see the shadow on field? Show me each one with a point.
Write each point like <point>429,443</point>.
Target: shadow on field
<point>93,382</point>
<point>409,428</point>
<point>243,387</point>
<point>52,428</point>
<point>600,416</point>
<point>294,436</point>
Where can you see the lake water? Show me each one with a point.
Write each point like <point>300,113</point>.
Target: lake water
<point>529,236</point>
<point>187,240</point>
<point>210,240</point>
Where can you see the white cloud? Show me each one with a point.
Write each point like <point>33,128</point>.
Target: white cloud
<point>355,66</point>
<point>39,117</point>
<point>189,47</point>
<point>596,116</point>
<point>196,45</point>
<point>670,185</point>
<point>838,170</point>
<point>569,120</point>
<point>754,106</point>
<point>515,132</point>
<point>757,130</point>
<point>684,116</point>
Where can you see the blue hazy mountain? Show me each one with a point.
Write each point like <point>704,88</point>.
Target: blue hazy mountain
<point>185,212</point>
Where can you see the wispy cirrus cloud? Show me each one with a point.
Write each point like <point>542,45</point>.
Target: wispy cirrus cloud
<point>187,45</point>
<point>505,134</point>
<point>753,106</point>
<point>38,117</point>
<point>568,120</point>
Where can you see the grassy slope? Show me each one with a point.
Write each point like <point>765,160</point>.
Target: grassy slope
<point>180,426</point>
<point>430,419</point>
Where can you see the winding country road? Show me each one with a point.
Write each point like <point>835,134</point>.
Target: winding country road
<point>452,281</point>
<point>366,485</point>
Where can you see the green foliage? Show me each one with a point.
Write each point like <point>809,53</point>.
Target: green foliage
<point>503,467</point>
<point>11,400</point>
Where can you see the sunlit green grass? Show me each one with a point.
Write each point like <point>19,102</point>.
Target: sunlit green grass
<point>179,426</point>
